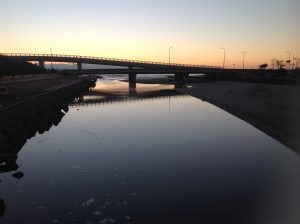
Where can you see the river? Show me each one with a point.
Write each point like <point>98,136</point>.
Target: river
<point>150,155</point>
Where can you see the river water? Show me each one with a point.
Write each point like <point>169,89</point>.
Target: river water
<point>151,155</point>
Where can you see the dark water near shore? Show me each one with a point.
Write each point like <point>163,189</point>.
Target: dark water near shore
<point>154,157</point>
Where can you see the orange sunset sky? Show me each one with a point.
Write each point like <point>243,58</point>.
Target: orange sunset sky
<point>144,30</point>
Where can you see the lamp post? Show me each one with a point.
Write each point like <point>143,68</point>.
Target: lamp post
<point>244,56</point>
<point>51,56</point>
<point>224,57</point>
<point>170,55</point>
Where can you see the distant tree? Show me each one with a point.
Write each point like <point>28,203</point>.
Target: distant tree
<point>278,64</point>
<point>296,63</point>
<point>263,66</point>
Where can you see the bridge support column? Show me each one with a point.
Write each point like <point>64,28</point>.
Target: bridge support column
<point>132,83</point>
<point>42,64</point>
<point>132,80</point>
<point>181,77</point>
<point>132,89</point>
<point>79,66</point>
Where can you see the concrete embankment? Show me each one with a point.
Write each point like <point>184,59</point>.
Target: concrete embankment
<point>40,105</point>
<point>24,88</point>
<point>274,109</point>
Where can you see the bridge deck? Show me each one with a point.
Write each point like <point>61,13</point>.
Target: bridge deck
<point>144,71</point>
<point>100,61</point>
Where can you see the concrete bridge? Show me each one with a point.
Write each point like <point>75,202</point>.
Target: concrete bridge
<point>134,67</point>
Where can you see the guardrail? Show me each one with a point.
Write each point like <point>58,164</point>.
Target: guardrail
<point>107,59</point>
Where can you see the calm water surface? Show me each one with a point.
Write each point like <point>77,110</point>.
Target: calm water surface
<point>167,159</point>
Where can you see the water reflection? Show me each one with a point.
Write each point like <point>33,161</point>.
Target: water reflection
<point>15,131</point>
<point>153,158</point>
<point>110,90</point>
<point>15,135</point>
<point>8,163</point>
<point>114,86</point>
<point>40,115</point>
<point>51,113</point>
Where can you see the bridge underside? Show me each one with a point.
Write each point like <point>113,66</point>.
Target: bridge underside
<point>139,71</point>
<point>180,75</point>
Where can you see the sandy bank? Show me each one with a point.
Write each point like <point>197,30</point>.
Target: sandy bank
<point>274,109</point>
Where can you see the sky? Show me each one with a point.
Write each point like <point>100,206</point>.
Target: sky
<point>144,30</point>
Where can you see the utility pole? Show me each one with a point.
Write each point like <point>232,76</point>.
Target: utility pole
<point>224,57</point>
<point>244,56</point>
<point>170,55</point>
<point>51,56</point>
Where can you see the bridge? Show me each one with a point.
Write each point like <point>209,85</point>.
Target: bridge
<point>134,67</point>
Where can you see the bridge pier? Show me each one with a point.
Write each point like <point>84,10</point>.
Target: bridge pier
<point>132,80</point>
<point>79,66</point>
<point>132,89</point>
<point>132,83</point>
<point>42,64</point>
<point>181,77</point>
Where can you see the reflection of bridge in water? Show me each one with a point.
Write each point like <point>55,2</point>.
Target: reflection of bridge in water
<point>99,98</point>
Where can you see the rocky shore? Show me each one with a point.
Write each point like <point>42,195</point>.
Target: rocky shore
<point>42,104</point>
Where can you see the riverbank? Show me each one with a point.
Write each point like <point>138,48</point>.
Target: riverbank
<point>23,88</point>
<point>274,109</point>
<point>36,106</point>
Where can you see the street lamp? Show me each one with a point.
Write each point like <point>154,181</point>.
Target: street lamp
<point>244,56</point>
<point>224,57</point>
<point>51,56</point>
<point>170,55</point>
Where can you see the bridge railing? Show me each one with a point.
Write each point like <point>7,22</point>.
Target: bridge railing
<point>107,59</point>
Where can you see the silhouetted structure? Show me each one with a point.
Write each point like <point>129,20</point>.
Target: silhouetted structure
<point>37,116</point>
<point>10,66</point>
<point>134,67</point>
